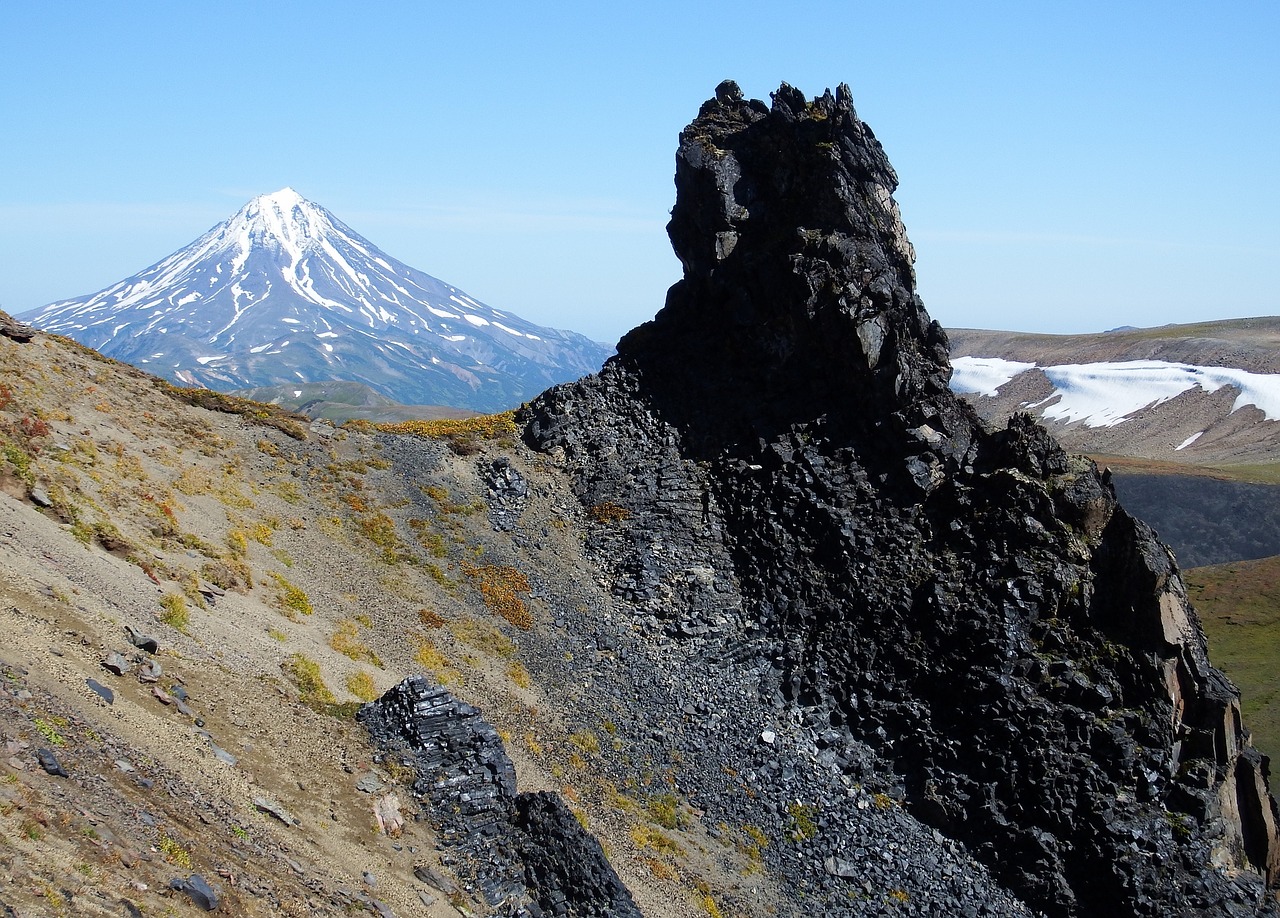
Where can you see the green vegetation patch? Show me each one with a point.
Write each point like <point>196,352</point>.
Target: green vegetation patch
<point>1239,606</point>
<point>463,435</point>
<point>304,673</point>
<point>291,599</point>
<point>256,412</point>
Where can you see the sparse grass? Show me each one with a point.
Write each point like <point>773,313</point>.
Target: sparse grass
<point>346,640</point>
<point>238,543</point>
<point>362,686</point>
<point>608,512</point>
<point>708,905</point>
<point>304,673</point>
<point>430,618</point>
<point>664,809</point>
<point>290,599</point>
<point>263,532</point>
<point>174,612</point>
<point>47,727</point>
<point>463,435</point>
<point>586,741</point>
<point>256,412</point>
<point>753,843</point>
<point>650,838</point>
<point>804,820</point>
<point>519,676</point>
<point>1239,607</point>
<point>19,460</point>
<point>483,636</point>
<point>429,657</point>
<point>174,853</point>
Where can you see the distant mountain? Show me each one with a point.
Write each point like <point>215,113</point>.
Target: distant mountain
<point>284,293</point>
<point>1203,394</point>
<point>345,401</point>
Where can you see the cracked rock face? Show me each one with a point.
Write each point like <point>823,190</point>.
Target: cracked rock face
<point>804,492</point>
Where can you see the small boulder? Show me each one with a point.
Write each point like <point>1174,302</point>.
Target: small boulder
<point>198,890</point>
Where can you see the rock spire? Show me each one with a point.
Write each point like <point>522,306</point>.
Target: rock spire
<point>971,604</point>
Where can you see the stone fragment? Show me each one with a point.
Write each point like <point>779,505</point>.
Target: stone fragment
<point>839,867</point>
<point>271,808</point>
<point>49,762</point>
<point>369,783</point>
<point>116,663</point>
<point>150,671</point>
<point>386,810</point>
<point>142,641</point>
<point>197,890</point>
<point>101,690</point>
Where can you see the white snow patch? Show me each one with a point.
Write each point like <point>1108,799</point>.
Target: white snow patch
<point>475,320</point>
<point>328,347</point>
<point>297,393</point>
<point>203,360</point>
<point>290,320</point>
<point>328,334</point>
<point>454,337</point>
<point>441,313</point>
<point>1104,394</point>
<point>190,297</point>
<point>259,349</point>
<point>509,331</point>
<point>984,375</point>
<point>1187,442</point>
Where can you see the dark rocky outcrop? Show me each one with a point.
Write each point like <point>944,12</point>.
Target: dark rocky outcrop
<point>526,853</point>
<point>805,500</point>
<point>14,330</point>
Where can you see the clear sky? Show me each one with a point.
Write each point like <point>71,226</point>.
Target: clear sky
<point>1064,166</point>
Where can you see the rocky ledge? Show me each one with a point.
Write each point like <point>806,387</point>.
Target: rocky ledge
<point>822,537</point>
<point>526,854</point>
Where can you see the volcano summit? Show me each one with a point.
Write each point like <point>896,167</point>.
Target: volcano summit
<point>284,292</point>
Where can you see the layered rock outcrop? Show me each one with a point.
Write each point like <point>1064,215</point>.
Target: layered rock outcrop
<point>526,854</point>
<point>802,494</point>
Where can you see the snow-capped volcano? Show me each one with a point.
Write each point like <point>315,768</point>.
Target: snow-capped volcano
<point>284,292</point>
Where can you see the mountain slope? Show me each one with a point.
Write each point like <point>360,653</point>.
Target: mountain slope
<point>785,625</point>
<point>1206,394</point>
<point>284,292</point>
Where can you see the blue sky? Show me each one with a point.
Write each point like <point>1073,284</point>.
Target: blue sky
<point>1064,167</point>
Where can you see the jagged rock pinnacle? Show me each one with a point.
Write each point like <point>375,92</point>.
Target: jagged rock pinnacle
<point>972,604</point>
<point>798,297</point>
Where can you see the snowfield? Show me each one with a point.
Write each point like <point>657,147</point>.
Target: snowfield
<point>1106,394</point>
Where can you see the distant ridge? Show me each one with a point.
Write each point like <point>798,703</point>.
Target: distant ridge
<point>1201,394</point>
<point>346,401</point>
<point>283,292</point>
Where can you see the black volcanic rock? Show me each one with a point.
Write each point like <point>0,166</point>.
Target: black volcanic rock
<point>807,506</point>
<point>526,853</point>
